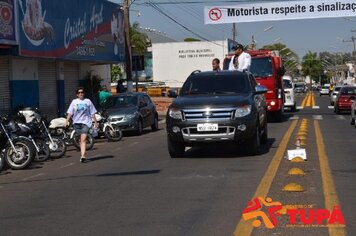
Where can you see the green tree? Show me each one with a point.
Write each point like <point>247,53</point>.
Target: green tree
<point>139,40</point>
<point>290,58</point>
<point>312,65</point>
<point>115,73</point>
<point>191,40</point>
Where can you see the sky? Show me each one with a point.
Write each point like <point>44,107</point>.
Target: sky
<point>301,36</point>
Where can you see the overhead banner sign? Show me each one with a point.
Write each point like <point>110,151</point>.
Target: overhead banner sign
<point>7,22</point>
<point>91,30</point>
<point>273,11</point>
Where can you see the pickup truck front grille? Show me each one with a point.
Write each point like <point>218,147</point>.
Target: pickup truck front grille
<point>208,114</point>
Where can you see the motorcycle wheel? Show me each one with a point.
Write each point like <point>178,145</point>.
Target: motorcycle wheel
<point>25,155</point>
<point>58,148</point>
<point>113,133</point>
<point>2,161</point>
<point>90,141</point>
<point>44,151</point>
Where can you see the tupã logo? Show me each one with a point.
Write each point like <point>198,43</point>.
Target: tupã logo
<point>254,210</point>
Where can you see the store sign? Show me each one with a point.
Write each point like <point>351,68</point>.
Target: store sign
<point>72,29</point>
<point>7,22</point>
<point>273,11</point>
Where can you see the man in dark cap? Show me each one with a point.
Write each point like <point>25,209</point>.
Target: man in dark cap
<point>241,61</point>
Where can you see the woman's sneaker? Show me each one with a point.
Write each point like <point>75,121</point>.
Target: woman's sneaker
<point>82,159</point>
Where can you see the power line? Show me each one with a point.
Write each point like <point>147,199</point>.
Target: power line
<point>157,8</point>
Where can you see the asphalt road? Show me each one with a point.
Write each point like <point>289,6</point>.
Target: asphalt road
<point>133,187</point>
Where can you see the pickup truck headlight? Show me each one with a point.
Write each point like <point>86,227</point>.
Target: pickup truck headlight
<point>175,113</point>
<point>242,111</point>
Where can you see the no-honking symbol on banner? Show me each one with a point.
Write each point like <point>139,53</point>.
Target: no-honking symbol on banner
<point>215,14</point>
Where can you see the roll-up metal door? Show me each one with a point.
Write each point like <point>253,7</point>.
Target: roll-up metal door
<point>48,88</point>
<point>71,81</point>
<point>4,86</point>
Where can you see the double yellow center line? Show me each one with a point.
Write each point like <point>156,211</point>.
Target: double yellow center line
<point>309,100</point>
<point>244,228</point>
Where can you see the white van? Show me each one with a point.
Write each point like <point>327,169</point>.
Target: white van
<point>289,96</point>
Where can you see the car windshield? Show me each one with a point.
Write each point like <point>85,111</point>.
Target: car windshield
<point>348,91</point>
<point>216,84</point>
<point>337,88</point>
<point>325,87</point>
<point>120,101</point>
<point>287,84</point>
<point>261,67</point>
<point>299,85</point>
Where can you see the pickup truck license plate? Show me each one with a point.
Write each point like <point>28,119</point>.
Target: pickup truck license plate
<point>207,127</point>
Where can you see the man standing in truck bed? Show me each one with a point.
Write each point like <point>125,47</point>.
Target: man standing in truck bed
<point>241,61</point>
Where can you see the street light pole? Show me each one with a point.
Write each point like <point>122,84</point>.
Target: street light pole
<point>128,46</point>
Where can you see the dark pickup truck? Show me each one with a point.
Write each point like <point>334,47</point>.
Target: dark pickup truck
<point>217,107</point>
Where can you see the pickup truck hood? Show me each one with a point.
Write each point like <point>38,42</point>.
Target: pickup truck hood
<point>202,101</point>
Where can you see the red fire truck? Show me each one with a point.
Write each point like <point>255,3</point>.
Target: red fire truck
<point>268,69</point>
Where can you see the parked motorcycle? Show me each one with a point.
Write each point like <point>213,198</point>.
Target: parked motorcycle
<point>17,151</point>
<point>36,122</point>
<point>70,137</point>
<point>109,130</point>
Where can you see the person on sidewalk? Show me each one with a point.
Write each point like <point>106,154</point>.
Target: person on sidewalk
<point>216,64</point>
<point>83,112</point>
<point>103,95</point>
<point>241,61</point>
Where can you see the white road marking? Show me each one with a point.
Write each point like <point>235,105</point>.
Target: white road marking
<point>340,117</point>
<point>70,164</point>
<point>294,118</point>
<point>317,117</point>
<point>331,107</point>
<point>316,107</point>
<point>300,108</point>
<point>162,121</point>
<point>133,144</point>
<point>34,176</point>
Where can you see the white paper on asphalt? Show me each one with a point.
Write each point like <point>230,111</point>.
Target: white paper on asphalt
<point>273,11</point>
<point>297,153</point>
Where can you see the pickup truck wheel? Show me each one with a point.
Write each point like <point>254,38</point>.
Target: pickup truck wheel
<point>175,149</point>
<point>264,136</point>
<point>254,143</point>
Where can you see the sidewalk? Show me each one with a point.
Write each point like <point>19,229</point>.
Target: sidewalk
<point>162,104</point>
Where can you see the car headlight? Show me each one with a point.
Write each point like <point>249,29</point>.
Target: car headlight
<point>243,111</point>
<point>175,113</point>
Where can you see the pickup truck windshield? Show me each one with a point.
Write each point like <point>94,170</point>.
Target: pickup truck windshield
<point>261,67</point>
<point>216,84</point>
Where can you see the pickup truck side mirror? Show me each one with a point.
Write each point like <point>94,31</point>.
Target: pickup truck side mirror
<point>172,94</point>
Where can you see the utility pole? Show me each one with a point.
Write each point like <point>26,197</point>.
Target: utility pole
<point>128,46</point>
<point>234,32</point>
<point>353,39</point>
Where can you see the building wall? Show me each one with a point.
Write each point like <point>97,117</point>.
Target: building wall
<point>104,71</point>
<point>173,62</point>
<point>24,83</point>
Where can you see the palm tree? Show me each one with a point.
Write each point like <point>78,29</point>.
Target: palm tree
<point>312,66</point>
<point>139,40</point>
<point>290,58</point>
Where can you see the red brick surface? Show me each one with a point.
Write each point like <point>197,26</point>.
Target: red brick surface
<point>162,103</point>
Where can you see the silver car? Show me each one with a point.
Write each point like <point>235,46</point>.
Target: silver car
<point>132,112</point>
<point>334,94</point>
